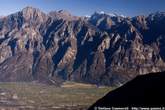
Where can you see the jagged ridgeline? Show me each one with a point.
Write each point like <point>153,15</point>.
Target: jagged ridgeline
<point>103,49</point>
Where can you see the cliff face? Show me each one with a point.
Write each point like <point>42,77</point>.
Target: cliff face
<point>102,49</point>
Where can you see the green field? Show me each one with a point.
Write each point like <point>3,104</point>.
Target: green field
<point>45,97</point>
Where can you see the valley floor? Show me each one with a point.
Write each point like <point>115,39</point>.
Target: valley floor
<point>34,96</point>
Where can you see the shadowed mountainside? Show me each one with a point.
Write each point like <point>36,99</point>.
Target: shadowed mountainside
<point>143,91</point>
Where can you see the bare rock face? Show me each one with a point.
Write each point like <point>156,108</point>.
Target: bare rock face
<point>63,14</point>
<point>103,49</point>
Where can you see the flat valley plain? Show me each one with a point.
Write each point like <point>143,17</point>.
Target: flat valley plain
<point>35,96</point>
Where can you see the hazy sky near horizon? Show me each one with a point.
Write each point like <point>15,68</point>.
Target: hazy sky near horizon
<point>86,7</point>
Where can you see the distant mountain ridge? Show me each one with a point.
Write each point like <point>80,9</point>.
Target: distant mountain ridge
<point>101,49</point>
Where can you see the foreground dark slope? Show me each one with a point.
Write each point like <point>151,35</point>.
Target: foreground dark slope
<point>143,91</point>
<point>103,49</point>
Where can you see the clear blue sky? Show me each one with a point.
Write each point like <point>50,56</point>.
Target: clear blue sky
<point>86,7</point>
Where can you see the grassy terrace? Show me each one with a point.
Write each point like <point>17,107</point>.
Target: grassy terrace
<point>38,96</point>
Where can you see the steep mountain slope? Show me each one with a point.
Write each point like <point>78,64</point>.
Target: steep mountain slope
<point>102,49</point>
<point>143,91</point>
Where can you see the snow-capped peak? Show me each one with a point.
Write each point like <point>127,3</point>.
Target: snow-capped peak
<point>108,14</point>
<point>123,16</point>
<point>102,12</point>
<point>87,16</point>
<point>112,14</point>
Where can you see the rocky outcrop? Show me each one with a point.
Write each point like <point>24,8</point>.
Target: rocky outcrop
<point>102,49</point>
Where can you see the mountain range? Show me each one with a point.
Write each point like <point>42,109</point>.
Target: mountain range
<point>103,49</point>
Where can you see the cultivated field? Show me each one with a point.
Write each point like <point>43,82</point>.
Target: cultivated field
<point>33,96</point>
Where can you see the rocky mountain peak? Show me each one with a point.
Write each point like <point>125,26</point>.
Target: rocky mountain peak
<point>29,8</point>
<point>30,11</point>
<point>33,14</point>
<point>63,14</point>
<point>158,14</point>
